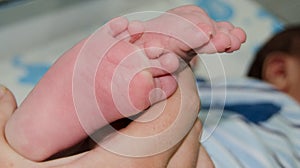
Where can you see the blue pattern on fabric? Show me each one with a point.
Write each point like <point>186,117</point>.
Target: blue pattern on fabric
<point>254,112</point>
<point>218,10</point>
<point>277,26</point>
<point>33,72</point>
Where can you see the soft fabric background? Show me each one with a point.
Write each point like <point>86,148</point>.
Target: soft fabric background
<point>29,46</point>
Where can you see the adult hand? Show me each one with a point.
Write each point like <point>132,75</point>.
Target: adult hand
<point>183,153</point>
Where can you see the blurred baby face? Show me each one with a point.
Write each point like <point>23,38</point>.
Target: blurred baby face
<point>293,71</point>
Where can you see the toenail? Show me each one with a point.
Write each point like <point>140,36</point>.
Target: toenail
<point>228,47</point>
<point>135,37</point>
<point>3,91</point>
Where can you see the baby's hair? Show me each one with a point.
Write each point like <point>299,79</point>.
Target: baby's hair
<point>286,41</point>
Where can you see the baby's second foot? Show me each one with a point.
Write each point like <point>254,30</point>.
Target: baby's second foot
<point>188,30</point>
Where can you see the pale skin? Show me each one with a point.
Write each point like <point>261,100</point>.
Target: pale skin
<point>176,156</point>
<point>50,108</point>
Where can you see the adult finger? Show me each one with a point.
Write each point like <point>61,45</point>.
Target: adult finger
<point>187,154</point>
<point>7,105</point>
<point>8,157</point>
<point>204,160</point>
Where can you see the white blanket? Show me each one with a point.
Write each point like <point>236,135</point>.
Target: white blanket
<point>259,126</point>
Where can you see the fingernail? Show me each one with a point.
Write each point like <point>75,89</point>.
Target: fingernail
<point>3,91</point>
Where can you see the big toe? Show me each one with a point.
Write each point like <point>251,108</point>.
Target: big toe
<point>144,90</point>
<point>139,89</point>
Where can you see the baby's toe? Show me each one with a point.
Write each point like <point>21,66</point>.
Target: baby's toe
<point>225,25</point>
<point>136,30</point>
<point>201,35</point>
<point>153,49</point>
<point>117,26</point>
<point>165,86</point>
<point>235,44</point>
<point>237,37</point>
<point>144,90</point>
<point>221,42</point>
<point>140,87</point>
<point>239,33</point>
<point>167,63</point>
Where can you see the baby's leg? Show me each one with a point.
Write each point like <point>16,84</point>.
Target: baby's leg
<point>60,111</point>
<point>188,30</point>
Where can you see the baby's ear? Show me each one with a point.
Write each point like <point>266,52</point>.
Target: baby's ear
<point>275,70</point>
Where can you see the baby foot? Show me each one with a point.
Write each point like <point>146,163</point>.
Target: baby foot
<point>129,81</point>
<point>59,112</point>
<point>186,31</point>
